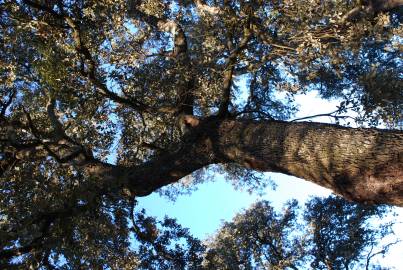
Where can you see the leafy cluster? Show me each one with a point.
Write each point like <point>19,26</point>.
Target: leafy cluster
<point>91,86</point>
<point>333,234</point>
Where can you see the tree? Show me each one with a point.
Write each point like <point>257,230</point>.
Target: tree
<point>258,238</point>
<point>104,101</point>
<point>341,234</point>
<point>335,234</point>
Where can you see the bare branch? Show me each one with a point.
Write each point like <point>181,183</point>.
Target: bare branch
<point>331,114</point>
<point>323,115</point>
<point>384,249</point>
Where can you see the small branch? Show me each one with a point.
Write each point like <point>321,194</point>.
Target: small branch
<point>7,162</point>
<point>226,97</point>
<point>75,150</point>
<point>83,51</point>
<point>282,47</point>
<point>133,203</point>
<point>149,235</point>
<point>152,146</point>
<point>229,71</point>
<point>67,158</point>
<point>322,115</point>
<point>266,115</point>
<point>352,14</point>
<point>58,129</point>
<point>153,21</point>
<point>31,125</point>
<point>185,92</point>
<point>90,74</point>
<point>383,251</point>
<point>46,261</point>
<point>277,48</point>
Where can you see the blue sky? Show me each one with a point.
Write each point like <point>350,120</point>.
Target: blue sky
<point>204,210</point>
<point>213,202</point>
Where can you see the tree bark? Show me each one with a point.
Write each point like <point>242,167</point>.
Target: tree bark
<point>384,5</point>
<point>371,7</point>
<point>363,165</point>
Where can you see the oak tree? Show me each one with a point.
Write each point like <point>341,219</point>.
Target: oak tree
<point>259,238</point>
<point>346,235</point>
<point>333,234</point>
<point>105,101</point>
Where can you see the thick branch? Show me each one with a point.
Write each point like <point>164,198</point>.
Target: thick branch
<point>186,86</point>
<point>371,7</point>
<point>195,153</point>
<point>364,165</point>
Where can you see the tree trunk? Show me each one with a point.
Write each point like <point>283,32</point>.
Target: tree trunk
<point>371,7</point>
<point>384,5</point>
<point>363,165</point>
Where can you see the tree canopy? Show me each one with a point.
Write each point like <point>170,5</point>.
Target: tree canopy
<point>334,234</point>
<point>105,101</point>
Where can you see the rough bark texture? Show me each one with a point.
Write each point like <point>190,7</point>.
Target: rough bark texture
<point>363,165</point>
<point>384,5</point>
<point>372,7</point>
